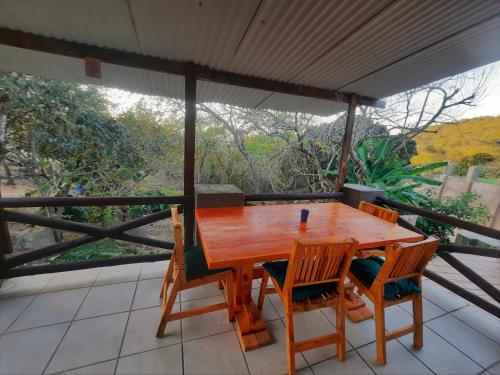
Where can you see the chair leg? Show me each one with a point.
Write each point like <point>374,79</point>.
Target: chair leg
<point>262,291</point>
<point>221,285</point>
<point>380,333</point>
<point>340,323</point>
<point>418,321</point>
<point>167,278</point>
<point>290,341</point>
<point>167,309</point>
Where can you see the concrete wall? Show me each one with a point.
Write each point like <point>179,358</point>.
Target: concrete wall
<point>489,193</point>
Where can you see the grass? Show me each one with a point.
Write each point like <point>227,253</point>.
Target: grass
<point>103,249</point>
<point>493,181</point>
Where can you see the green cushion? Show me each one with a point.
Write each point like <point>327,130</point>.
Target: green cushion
<point>367,270</point>
<point>277,270</point>
<point>196,265</point>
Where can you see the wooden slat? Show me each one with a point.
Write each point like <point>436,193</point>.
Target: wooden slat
<point>316,342</point>
<point>233,235</point>
<point>399,332</point>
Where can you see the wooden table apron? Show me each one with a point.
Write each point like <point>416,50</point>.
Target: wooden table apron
<point>239,237</point>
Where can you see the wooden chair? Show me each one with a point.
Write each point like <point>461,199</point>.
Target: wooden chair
<point>403,262</point>
<point>313,278</point>
<point>188,269</point>
<point>381,212</point>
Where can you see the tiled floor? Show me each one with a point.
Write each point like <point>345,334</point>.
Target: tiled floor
<point>103,321</point>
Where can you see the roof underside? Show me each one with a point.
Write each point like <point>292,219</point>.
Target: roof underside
<point>372,48</point>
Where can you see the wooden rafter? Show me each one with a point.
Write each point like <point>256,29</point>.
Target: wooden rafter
<point>40,43</point>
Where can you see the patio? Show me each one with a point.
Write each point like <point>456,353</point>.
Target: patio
<point>103,321</point>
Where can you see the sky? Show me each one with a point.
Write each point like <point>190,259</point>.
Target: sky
<point>488,105</point>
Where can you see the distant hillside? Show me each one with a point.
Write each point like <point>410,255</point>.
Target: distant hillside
<point>473,141</point>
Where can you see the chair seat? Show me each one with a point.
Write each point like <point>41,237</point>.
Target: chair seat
<point>277,270</point>
<point>196,265</point>
<point>367,269</point>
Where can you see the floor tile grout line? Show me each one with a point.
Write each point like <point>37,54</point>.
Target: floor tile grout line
<point>75,319</point>
<point>126,324</point>
<point>460,350</point>
<point>65,333</point>
<point>19,315</point>
<point>491,366</point>
<point>474,328</point>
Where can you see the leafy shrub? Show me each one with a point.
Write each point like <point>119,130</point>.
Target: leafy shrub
<point>141,210</point>
<point>464,207</point>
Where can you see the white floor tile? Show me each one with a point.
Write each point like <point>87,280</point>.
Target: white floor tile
<point>10,309</point>
<point>477,346</point>
<point>219,354</point>
<point>399,360</point>
<point>103,368</point>
<point>50,308</point>
<point>205,324</point>
<point>72,280</point>
<point>89,341</point>
<point>107,299</point>
<point>353,364</point>
<point>153,270</point>
<point>141,331</point>
<point>119,274</point>
<point>148,294</point>
<point>29,351</point>
<point>481,320</point>
<point>272,359</point>
<point>160,361</point>
<point>440,356</point>
<point>203,291</point>
<point>25,285</point>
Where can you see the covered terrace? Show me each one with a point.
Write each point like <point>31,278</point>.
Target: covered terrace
<point>319,57</point>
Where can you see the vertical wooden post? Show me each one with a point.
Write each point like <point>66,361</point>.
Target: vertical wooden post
<point>346,144</point>
<point>189,154</point>
<point>5,242</point>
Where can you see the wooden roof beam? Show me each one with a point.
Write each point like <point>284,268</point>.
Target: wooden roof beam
<point>20,39</point>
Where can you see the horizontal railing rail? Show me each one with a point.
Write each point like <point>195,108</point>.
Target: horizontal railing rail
<point>84,264</point>
<point>292,196</point>
<point>90,201</point>
<point>445,252</point>
<point>8,263</point>
<point>454,221</point>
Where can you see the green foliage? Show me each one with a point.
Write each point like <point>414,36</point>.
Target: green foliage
<point>63,136</point>
<point>381,168</point>
<point>103,249</point>
<point>465,207</point>
<point>141,210</point>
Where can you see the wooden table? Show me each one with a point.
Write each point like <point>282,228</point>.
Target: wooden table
<point>239,237</point>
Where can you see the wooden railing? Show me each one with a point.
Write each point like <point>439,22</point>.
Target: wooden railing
<point>292,196</point>
<point>9,263</point>
<point>445,252</point>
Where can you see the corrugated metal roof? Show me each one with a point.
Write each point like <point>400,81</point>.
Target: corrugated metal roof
<point>369,47</point>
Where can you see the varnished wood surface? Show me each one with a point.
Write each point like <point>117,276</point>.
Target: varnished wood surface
<point>251,234</point>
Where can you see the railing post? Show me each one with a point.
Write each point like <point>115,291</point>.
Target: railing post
<point>189,154</point>
<point>346,144</point>
<point>5,242</point>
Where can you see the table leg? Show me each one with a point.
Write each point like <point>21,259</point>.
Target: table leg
<point>250,328</point>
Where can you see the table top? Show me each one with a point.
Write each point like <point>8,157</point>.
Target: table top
<point>236,235</point>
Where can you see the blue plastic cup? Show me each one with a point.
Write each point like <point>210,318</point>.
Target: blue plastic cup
<point>304,214</point>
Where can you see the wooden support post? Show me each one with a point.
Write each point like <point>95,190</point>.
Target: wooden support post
<point>346,144</point>
<point>5,242</point>
<point>189,154</point>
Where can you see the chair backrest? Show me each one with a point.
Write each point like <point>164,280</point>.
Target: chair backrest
<point>319,261</point>
<point>381,212</point>
<point>178,252</point>
<point>407,260</point>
